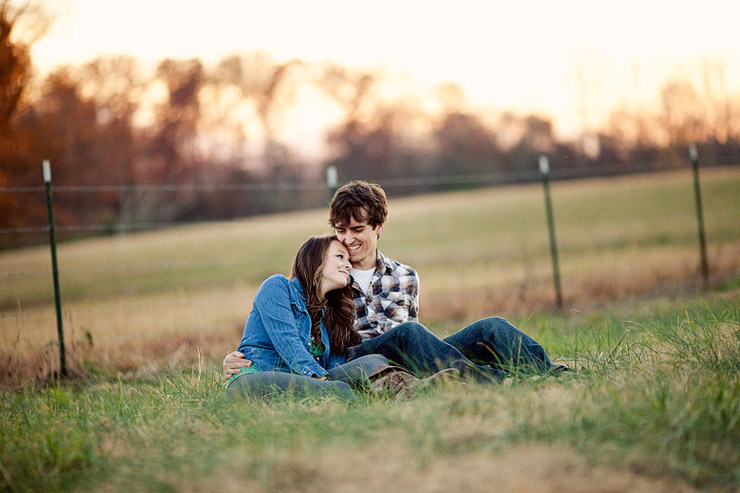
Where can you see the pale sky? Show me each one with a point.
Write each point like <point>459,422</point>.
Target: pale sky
<point>528,55</point>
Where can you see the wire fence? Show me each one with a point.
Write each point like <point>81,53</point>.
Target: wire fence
<point>124,268</point>
<point>412,184</point>
<point>419,184</point>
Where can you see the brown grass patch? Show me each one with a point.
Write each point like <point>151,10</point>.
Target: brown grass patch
<point>645,274</point>
<point>521,469</point>
<point>128,358</point>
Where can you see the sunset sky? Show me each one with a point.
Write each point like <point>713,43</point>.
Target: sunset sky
<point>572,59</point>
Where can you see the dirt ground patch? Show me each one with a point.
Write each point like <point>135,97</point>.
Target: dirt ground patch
<point>522,469</point>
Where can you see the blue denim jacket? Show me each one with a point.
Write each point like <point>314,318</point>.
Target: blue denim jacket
<point>277,335</point>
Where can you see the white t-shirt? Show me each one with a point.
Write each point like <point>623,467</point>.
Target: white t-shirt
<point>363,277</point>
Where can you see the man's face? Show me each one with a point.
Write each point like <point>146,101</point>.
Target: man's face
<point>361,241</point>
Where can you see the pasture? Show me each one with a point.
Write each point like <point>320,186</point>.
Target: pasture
<point>654,405</point>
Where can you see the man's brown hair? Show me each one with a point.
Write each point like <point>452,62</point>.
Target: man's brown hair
<point>360,200</point>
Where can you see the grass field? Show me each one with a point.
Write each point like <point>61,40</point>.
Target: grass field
<point>654,405</point>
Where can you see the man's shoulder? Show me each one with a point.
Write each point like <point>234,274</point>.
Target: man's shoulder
<point>395,267</point>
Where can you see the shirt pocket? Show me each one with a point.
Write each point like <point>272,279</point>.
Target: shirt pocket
<point>396,306</point>
<point>299,312</point>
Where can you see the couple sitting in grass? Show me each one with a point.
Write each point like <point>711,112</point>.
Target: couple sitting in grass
<point>347,312</point>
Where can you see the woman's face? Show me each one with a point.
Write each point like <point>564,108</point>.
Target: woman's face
<point>335,274</point>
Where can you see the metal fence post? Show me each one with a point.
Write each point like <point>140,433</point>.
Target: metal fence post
<point>545,173</point>
<point>699,216</point>
<point>331,180</point>
<point>55,271</point>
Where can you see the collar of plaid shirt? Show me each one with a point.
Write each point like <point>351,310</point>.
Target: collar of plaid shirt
<point>392,299</point>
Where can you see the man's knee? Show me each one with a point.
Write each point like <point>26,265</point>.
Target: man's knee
<point>494,322</point>
<point>411,330</point>
<point>498,327</point>
<point>483,329</point>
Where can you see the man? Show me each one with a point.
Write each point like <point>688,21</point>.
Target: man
<point>387,306</point>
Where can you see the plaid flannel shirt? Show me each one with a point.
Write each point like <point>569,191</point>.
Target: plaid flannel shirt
<point>391,299</point>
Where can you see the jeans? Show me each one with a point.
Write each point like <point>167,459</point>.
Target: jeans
<point>414,347</point>
<point>495,341</point>
<point>341,381</point>
<point>487,350</point>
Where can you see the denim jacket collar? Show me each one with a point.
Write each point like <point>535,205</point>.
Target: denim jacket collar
<point>299,288</point>
<point>297,285</point>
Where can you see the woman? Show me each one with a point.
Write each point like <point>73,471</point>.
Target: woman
<point>300,328</point>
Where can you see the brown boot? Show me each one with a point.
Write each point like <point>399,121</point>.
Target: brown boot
<point>443,376</point>
<point>390,380</point>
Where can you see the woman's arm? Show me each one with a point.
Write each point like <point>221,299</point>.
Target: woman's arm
<point>273,305</point>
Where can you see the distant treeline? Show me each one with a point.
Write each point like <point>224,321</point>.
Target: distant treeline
<point>190,142</point>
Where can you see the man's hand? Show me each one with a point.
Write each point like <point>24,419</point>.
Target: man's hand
<point>234,362</point>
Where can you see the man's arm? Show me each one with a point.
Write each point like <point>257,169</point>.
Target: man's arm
<point>413,290</point>
<point>234,362</point>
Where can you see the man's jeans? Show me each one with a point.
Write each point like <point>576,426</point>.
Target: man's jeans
<point>486,350</point>
<point>495,341</point>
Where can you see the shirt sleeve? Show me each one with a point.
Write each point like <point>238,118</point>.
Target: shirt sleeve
<point>274,307</point>
<point>414,294</point>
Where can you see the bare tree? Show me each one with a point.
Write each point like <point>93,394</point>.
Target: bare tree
<point>353,92</point>
<point>451,98</point>
<point>116,86</point>
<point>20,27</point>
<point>178,116</point>
<point>683,113</point>
<point>719,102</point>
<point>225,111</point>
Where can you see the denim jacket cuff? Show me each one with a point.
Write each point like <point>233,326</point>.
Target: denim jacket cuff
<point>309,371</point>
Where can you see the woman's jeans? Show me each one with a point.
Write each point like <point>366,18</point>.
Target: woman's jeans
<point>486,350</point>
<point>342,379</point>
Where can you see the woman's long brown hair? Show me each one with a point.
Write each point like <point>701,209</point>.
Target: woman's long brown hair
<point>339,317</point>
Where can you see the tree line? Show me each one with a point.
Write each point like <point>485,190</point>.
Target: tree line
<point>112,122</point>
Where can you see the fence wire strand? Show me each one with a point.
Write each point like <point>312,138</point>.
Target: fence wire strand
<point>477,179</point>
